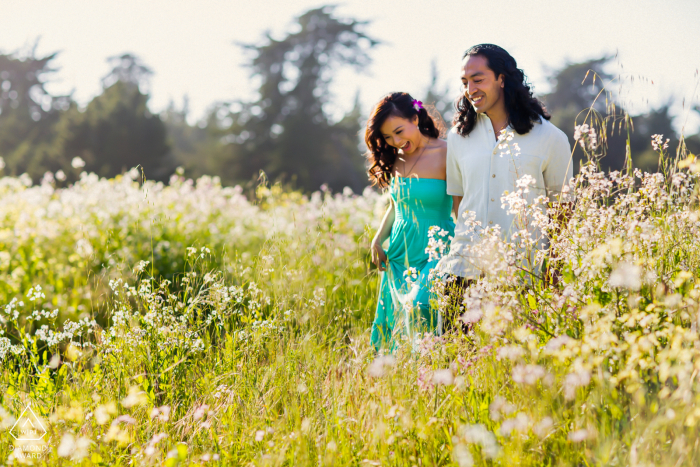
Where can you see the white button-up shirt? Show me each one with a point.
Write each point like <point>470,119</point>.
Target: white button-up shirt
<point>480,172</point>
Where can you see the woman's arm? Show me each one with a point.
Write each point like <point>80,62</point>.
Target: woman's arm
<point>378,255</point>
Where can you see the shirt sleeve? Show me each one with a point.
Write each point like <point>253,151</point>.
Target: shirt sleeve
<point>558,169</point>
<point>453,177</point>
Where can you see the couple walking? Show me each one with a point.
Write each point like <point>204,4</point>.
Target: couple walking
<point>429,178</point>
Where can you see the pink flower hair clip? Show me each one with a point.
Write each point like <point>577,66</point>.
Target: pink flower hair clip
<point>417,105</point>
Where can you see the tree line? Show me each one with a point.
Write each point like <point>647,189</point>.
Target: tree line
<point>285,131</point>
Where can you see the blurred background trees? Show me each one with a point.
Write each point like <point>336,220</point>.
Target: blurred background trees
<point>577,95</point>
<point>28,114</point>
<point>116,131</point>
<point>285,131</point>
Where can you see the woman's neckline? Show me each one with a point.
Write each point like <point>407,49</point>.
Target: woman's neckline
<point>420,178</point>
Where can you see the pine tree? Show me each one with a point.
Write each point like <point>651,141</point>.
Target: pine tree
<point>286,132</point>
<point>28,114</point>
<point>117,131</point>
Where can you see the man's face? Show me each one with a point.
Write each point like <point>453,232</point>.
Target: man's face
<point>480,84</point>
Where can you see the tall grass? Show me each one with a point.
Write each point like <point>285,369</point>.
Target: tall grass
<point>185,324</point>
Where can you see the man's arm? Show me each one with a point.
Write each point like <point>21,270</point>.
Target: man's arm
<point>557,173</point>
<point>456,201</point>
<point>558,168</point>
<point>560,215</point>
<point>453,176</point>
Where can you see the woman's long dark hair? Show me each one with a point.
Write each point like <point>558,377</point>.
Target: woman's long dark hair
<point>522,107</point>
<point>381,155</point>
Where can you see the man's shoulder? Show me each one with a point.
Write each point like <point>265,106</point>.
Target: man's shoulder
<point>453,135</point>
<point>549,130</point>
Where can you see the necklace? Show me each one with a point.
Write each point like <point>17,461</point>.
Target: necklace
<point>405,174</point>
<point>502,129</point>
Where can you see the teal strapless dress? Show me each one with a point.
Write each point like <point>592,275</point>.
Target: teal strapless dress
<point>403,308</point>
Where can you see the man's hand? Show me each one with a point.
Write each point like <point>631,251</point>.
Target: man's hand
<point>456,201</point>
<point>560,214</point>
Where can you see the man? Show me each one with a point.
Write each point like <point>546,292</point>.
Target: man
<point>496,97</point>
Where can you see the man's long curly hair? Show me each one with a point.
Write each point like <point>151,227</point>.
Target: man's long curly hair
<point>524,110</point>
<point>380,154</point>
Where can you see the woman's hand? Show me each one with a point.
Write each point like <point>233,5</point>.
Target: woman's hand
<point>376,250</point>
<point>378,255</point>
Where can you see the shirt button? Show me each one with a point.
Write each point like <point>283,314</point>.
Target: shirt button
<point>493,176</point>
<point>493,199</point>
<point>490,222</point>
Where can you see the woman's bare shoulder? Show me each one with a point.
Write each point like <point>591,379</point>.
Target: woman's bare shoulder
<point>440,148</point>
<point>438,145</point>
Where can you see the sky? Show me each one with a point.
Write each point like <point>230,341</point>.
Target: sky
<point>191,45</point>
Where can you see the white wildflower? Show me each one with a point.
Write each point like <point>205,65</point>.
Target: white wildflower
<point>578,435</point>
<point>510,352</point>
<point>77,163</point>
<point>555,344</point>
<point>500,406</point>
<point>478,434</point>
<point>528,374</point>
<point>379,366</point>
<point>572,381</point>
<point>657,141</point>
<point>626,276</point>
<point>65,448</point>
<point>544,427</point>
<point>518,423</point>
<point>462,456</point>
<point>443,377</point>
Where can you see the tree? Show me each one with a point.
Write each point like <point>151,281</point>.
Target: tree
<point>285,131</point>
<point>578,86</point>
<point>439,98</point>
<point>656,121</point>
<point>189,144</point>
<point>579,96</point>
<point>28,113</point>
<point>693,142</point>
<point>117,131</point>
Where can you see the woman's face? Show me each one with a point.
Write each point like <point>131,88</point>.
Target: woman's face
<point>401,133</point>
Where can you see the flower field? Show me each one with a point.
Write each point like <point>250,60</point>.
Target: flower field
<point>188,324</point>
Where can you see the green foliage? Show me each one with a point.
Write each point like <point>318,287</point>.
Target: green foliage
<point>581,93</point>
<point>440,101</point>
<point>190,145</point>
<point>286,131</point>
<point>116,131</point>
<point>28,114</point>
<point>40,132</point>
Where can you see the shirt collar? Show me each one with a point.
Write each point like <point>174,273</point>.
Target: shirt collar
<point>486,121</point>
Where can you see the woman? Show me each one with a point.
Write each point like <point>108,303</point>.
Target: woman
<point>407,157</point>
